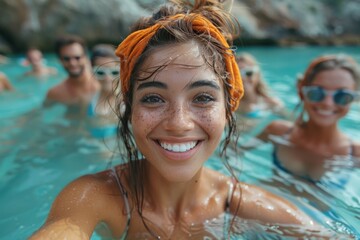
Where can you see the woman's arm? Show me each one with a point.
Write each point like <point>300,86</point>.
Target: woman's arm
<point>277,127</point>
<point>78,209</point>
<point>6,83</point>
<point>59,230</point>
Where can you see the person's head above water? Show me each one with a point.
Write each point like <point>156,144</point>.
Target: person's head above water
<point>331,62</point>
<point>177,23</point>
<point>105,66</point>
<point>72,52</point>
<point>103,50</point>
<point>179,38</point>
<point>254,82</point>
<point>336,74</point>
<point>34,56</point>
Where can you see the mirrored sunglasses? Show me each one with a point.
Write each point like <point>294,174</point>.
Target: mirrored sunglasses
<point>249,71</point>
<point>340,97</point>
<point>102,72</point>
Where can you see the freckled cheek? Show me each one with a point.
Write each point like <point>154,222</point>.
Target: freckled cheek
<point>145,120</point>
<point>213,120</point>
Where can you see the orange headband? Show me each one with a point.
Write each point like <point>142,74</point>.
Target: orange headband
<point>133,46</point>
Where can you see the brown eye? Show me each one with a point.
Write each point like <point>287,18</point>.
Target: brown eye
<point>204,98</point>
<point>151,99</point>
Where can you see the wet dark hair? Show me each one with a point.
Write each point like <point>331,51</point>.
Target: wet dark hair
<point>178,31</point>
<point>102,50</point>
<point>66,40</point>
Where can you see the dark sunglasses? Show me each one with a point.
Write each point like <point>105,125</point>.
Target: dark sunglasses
<point>249,71</point>
<point>101,73</point>
<point>68,58</point>
<point>341,97</point>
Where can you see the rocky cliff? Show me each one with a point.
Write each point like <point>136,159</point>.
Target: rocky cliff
<point>25,23</point>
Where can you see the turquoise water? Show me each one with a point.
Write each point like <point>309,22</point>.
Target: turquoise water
<point>43,149</point>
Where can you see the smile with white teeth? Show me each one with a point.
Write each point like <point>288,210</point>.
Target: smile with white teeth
<point>178,147</point>
<point>325,112</point>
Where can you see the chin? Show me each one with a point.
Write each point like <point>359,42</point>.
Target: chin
<point>326,122</point>
<point>76,74</point>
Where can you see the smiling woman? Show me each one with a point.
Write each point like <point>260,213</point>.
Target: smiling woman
<point>177,111</point>
<point>327,89</point>
<point>180,85</point>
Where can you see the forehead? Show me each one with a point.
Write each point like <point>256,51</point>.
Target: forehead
<point>106,61</point>
<point>335,78</point>
<point>183,60</point>
<point>72,49</point>
<point>243,64</point>
<point>176,54</point>
<point>33,53</point>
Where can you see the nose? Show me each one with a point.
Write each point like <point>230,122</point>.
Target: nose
<point>328,100</point>
<point>179,118</point>
<point>108,78</point>
<point>73,61</point>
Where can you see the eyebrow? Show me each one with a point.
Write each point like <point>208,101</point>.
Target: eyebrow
<point>196,84</point>
<point>152,84</point>
<point>204,83</point>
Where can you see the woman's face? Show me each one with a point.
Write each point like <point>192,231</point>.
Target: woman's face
<point>106,70</point>
<point>249,74</point>
<point>326,112</point>
<point>178,114</point>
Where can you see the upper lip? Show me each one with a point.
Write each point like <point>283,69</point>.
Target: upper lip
<point>177,140</point>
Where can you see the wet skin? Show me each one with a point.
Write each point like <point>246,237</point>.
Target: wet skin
<point>178,118</point>
<point>326,113</point>
<point>73,59</point>
<point>183,106</point>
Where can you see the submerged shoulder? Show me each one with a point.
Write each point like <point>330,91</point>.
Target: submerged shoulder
<point>261,205</point>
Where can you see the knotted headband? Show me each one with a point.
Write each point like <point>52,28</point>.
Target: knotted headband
<point>133,46</point>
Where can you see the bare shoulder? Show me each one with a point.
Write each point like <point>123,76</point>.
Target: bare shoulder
<point>277,127</point>
<point>3,77</point>
<point>56,91</point>
<point>261,205</point>
<point>356,149</point>
<point>81,205</point>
